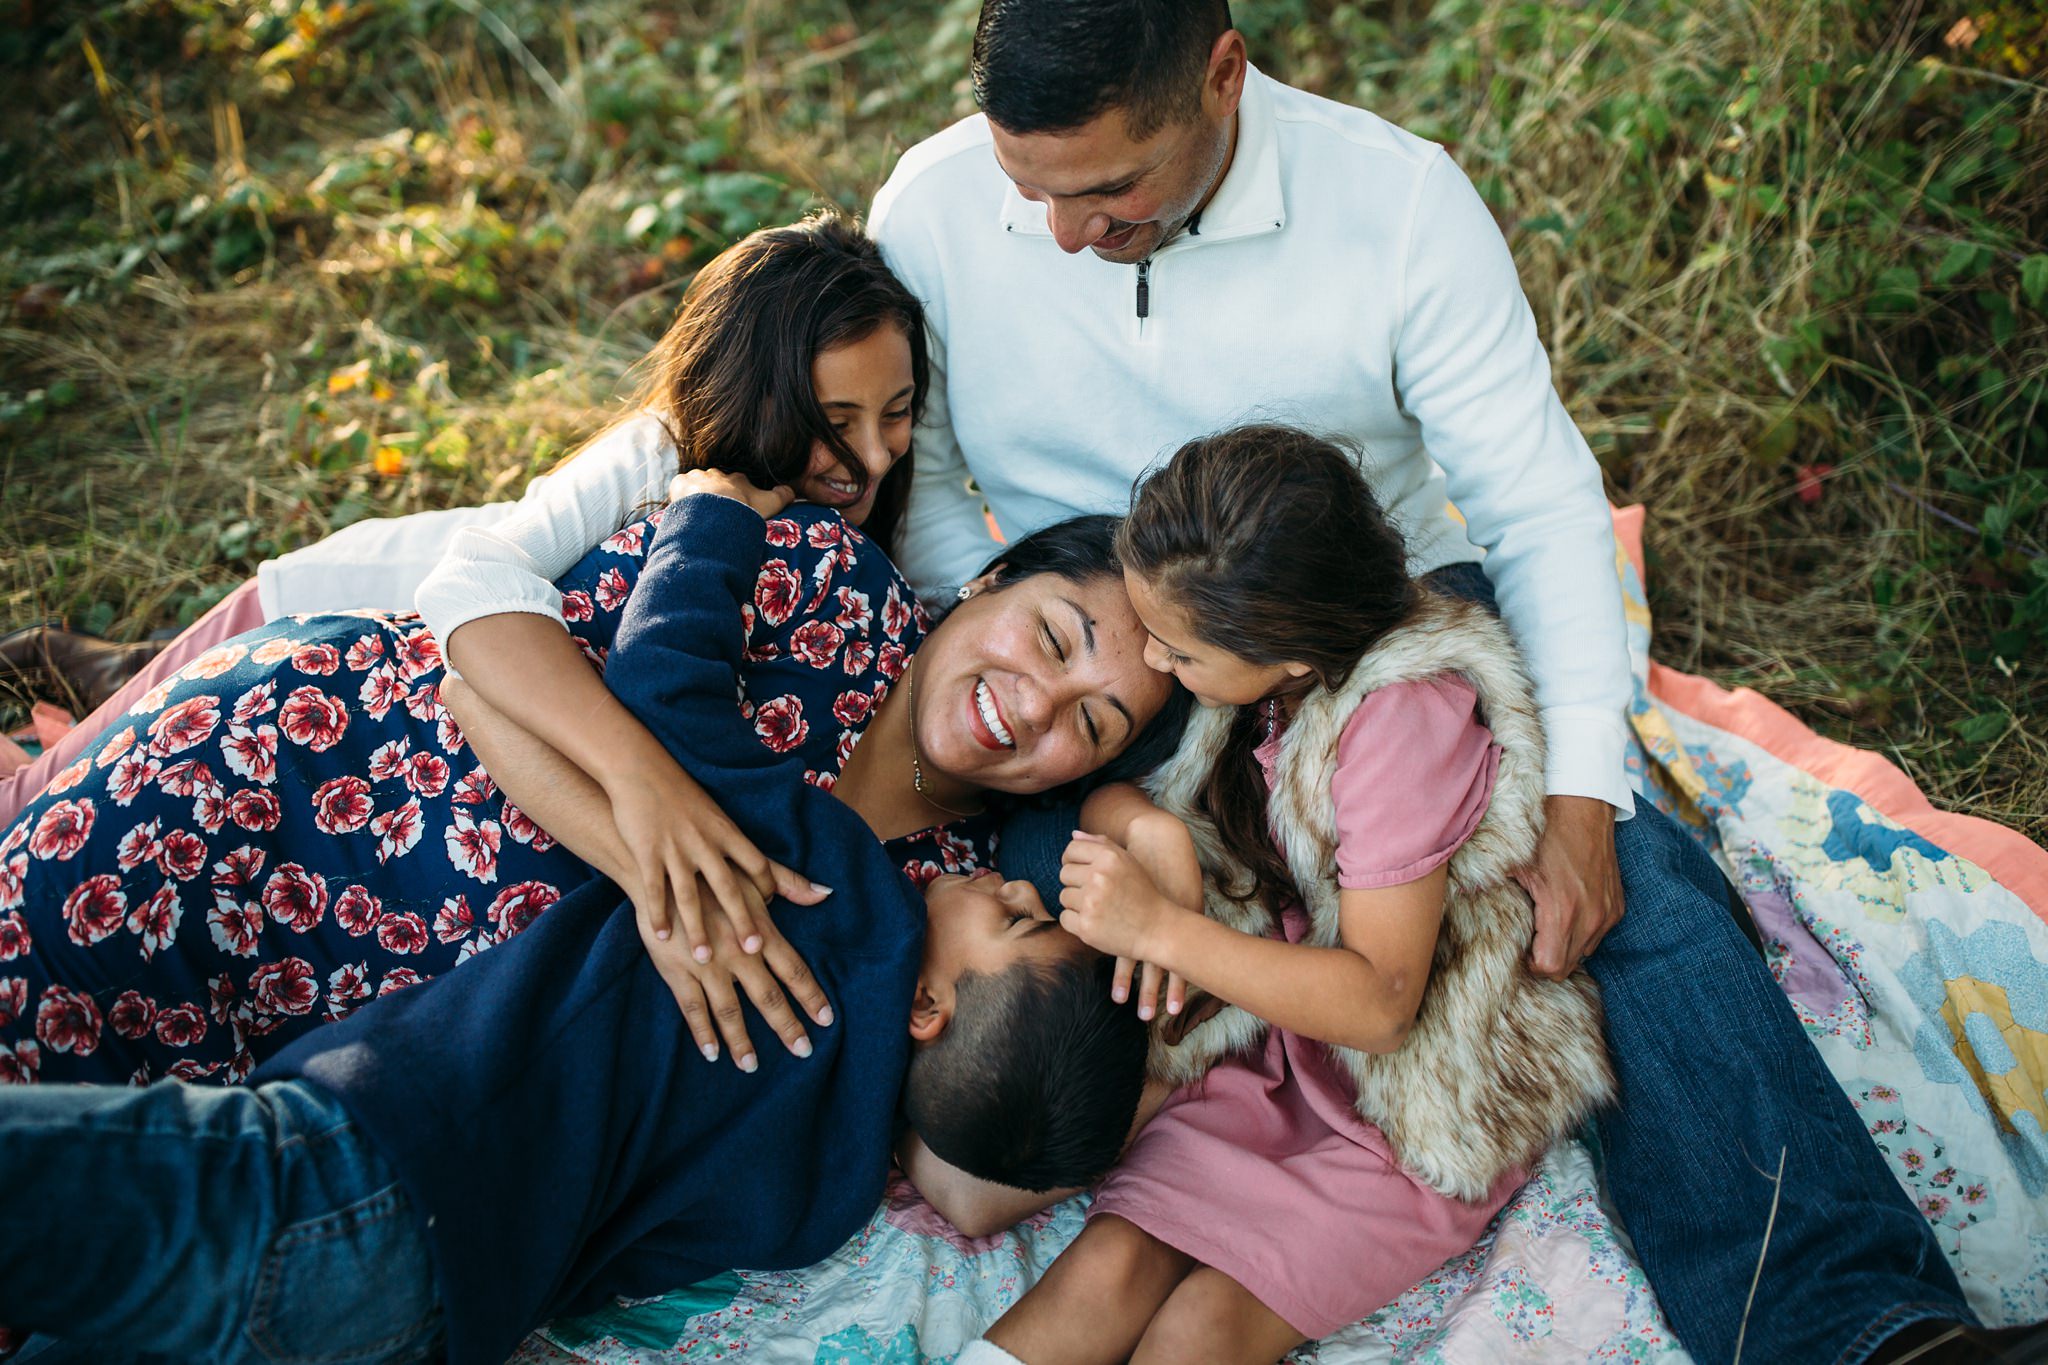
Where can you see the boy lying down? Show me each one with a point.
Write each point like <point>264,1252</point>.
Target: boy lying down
<point>537,1130</point>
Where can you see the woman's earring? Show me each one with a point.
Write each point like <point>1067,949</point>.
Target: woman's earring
<point>964,593</point>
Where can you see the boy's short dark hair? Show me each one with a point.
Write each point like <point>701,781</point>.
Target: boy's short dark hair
<point>1047,66</point>
<point>1036,1080</point>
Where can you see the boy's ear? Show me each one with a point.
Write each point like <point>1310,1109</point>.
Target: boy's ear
<point>929,1014</point>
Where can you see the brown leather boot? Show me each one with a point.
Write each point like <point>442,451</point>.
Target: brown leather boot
<point>69,665</point>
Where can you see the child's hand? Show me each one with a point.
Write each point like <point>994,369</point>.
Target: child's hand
<point>768,502</point>
<point>1108,902</point>
<point>709,992</point>
<point>1162,846</point>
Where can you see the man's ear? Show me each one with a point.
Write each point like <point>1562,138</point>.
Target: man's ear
<point>931,1009</point>
<point>1223,81</point>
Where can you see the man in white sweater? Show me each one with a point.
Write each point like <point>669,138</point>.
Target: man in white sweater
<point>1141,240</point>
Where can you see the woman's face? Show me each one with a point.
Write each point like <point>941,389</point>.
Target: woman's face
<point>865,388</point>
<point>1025,687</point>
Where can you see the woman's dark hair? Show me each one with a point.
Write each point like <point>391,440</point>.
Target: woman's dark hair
<point>1082,550</point>
<point>731,379</point>
<point>1048,66</point>
<point>1270,543</point>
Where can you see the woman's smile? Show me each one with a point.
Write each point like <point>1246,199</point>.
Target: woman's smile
<point>988,726</point>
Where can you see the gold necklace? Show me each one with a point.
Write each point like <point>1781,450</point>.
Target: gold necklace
<point>916,768</point>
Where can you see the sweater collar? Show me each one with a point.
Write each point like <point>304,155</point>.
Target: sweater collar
<point>1248,201</point>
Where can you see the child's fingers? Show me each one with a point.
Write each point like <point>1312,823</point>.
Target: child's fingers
<point>683,892</point>
<point>796,888</point>
<point>650,903</point>
<point>1148,991</point>
<point>1120,981</point>
<point>735,898</point>
<point>1176,993</point>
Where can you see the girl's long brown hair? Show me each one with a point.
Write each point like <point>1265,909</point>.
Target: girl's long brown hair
<point>1268,538</point>
<point>731,379</point>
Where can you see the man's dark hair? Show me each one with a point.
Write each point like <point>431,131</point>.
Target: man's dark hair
<point>1036,1080</point>
<point>1048,66</point>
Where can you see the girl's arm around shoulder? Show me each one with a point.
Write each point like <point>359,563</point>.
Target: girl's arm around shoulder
<point>511,565</point>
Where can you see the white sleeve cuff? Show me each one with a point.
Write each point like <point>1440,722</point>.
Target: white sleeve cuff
<point>461,589</point>
<point>1585,748</point>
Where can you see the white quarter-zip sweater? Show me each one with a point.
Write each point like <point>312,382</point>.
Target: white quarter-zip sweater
<point>1345,277</point>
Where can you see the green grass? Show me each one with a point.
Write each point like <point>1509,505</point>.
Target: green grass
<point>270,266</point>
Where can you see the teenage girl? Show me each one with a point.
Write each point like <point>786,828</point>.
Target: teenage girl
<point>795,359</point>
<point>1376,1067</point>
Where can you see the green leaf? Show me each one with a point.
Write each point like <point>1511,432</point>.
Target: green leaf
<point>1981,728</point>
<point>1962,258</point>
<point>1896,289</point>
<point>2034,279</point>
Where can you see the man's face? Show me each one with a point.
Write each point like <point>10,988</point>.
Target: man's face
<point>1105,192</point>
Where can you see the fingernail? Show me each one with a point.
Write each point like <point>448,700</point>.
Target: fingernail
<point>661,934</point>
<point>702,954</point>
<point>821,888</point>
<point>753,943</point>
<point>1173,1007</point>
<point>1118,994</point>
<point>748,1064</point>
<point>825,1016</point>
<point>1144,1011</point>
<point>710,1052</point>
<point>802,1048</point>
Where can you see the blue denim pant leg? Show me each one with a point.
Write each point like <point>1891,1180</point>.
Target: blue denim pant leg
<point>1719,1085</point>
<point>235,1225</point>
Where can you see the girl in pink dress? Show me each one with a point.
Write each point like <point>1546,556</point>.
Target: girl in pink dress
<point>1368,1067</point>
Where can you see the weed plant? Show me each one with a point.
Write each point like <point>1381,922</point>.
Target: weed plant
<point>271,266</point>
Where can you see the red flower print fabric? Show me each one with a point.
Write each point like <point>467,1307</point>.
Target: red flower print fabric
<point>293,826</point>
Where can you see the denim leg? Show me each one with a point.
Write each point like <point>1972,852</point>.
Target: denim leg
<point>1718,1085</point>
<point>225,1224</point>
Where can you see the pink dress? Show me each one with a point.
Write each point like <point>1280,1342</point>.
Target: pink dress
<point>1264,1170</point>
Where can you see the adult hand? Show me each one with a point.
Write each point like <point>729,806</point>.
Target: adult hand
<point>768,502</point>
<point>1575,882</point>
<point>709,992</point>
<point>684,848</point>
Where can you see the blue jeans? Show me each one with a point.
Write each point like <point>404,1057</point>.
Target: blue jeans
<point>199,1223</point>
<point>1718,1087</point>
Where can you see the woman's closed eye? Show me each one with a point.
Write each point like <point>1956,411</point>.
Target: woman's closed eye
<point>1058,649</point>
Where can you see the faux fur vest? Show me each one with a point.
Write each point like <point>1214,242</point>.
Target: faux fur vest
<point>1500,1063</point>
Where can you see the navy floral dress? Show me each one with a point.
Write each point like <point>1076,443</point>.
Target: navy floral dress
<point>293,825</point>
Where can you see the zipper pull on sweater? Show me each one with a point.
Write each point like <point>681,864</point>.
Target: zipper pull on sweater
<point>1145,288</point>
